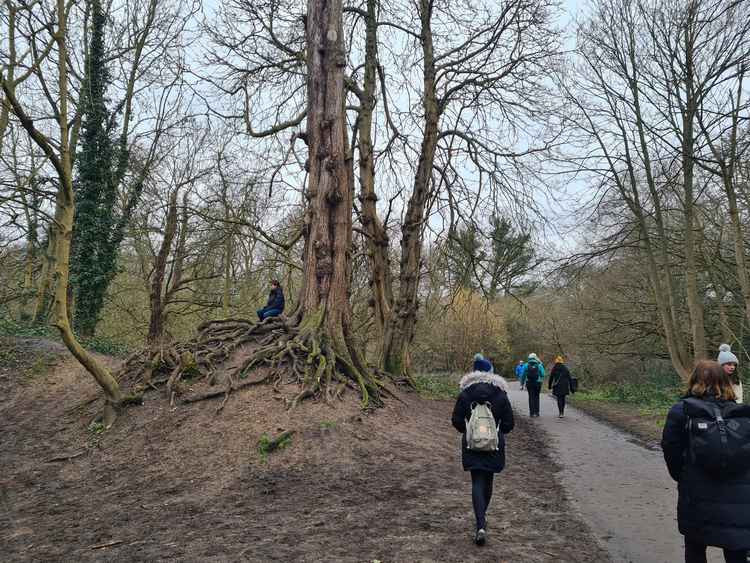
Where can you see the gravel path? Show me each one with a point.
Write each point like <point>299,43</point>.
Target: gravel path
<point>621,488</point>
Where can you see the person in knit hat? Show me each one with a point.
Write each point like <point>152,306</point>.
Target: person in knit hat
<point>729,364</point>
<point>482,364</point>
<point>560,383</point>
<point>477,387</point>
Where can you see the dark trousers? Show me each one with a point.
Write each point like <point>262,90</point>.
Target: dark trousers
<point>696,553</point>
<point>561,403</point>
<point>481,493</point>
<point>534,389</point>
<point>266,312</point>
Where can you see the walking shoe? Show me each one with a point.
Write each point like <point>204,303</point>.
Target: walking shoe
<point>481,537</point>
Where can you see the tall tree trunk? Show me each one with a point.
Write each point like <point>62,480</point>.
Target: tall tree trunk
<point>5,107</point>
<point>156,296</point>
<point>661,275</point>
<point>28,274</point>
<point>728,169</point>
<point>401,324</point>
<point>226,295</point>
<point>41,303</point>
<point>324,312</point>
<point>381,283</point>
<point>738,243</point>
<point>32,245</point>
<point>694,301</point>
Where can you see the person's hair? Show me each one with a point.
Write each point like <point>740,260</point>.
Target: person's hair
<point>709,379</point>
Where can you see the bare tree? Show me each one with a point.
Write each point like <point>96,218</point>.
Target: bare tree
<point>493,66</point>
<point>651,74</point>
<point>59,154</point>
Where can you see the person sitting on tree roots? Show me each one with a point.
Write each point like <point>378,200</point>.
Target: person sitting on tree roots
<point>729,364</point>
<point>532,377</point>
<point>275,305</point>
<point>481,389</point>
<point>560,383</point>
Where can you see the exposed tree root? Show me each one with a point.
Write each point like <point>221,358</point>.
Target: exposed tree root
<point>224,352</point>
<point>65,457</point>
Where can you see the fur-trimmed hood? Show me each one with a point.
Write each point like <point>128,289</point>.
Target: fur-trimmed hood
<point>483,377</point>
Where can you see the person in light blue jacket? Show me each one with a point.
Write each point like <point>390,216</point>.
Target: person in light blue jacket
<point>519,371</point>
<point>533,376</point>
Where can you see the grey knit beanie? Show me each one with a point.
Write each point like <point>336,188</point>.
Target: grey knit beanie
<point>726,356</point>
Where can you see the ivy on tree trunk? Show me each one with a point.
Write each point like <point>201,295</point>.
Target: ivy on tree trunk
<point>101,167</point>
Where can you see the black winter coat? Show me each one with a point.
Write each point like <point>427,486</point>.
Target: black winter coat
<point>276,299</point>
<point>559,380</point>
<point>483,387</point>
<point>709,510</point>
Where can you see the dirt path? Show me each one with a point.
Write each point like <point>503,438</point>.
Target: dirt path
<point>184,484</point>
<point>621,488</point>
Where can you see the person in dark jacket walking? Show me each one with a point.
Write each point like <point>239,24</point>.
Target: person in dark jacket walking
<point>560,383</point>
<point>533,377</point>
<point>275,305</point>
<point>482,386</point>
<point>711,510</point>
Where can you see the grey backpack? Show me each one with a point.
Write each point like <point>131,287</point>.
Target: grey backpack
<point>481,431</point>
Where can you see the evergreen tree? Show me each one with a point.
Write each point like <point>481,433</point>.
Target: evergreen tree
<point>511,257</point>
<point>463,255</point>
<point>101,167</point>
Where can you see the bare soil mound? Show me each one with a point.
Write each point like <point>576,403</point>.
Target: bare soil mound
<point>182,483</point>
<point>223,354</point>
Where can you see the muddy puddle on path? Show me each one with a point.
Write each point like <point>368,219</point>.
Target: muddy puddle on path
<point>186,485</point>
<point>619,484</point>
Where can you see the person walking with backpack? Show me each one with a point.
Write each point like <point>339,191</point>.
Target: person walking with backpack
<point>482,415</point>
<point>532,377</point>
<point>730,364</point>
<point>561,383</point>
<point>711,465</point>
<point>519,371</point>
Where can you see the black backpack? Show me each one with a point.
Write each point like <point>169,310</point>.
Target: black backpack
<point>718,436</point>
<point>532,373</point>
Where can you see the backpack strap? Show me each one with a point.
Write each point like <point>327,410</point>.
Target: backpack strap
<point>721,423</point>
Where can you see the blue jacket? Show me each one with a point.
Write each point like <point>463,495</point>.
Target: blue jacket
<point>526,369</point>
<point>519,370</point>
<point>276,299</point>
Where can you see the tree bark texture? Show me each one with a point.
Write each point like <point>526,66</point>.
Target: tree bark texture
<point>381,283</point>
<point>156,299</point>
<point>694,301</point>
<point>324,306</point>
<point>401,324</point>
